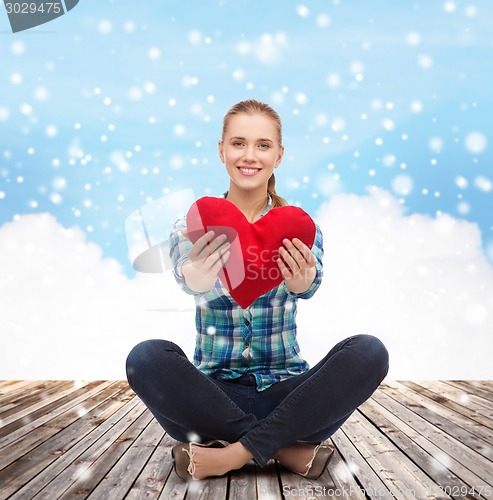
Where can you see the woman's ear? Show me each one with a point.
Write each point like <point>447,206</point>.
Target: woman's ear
<point>221,150</point>
<point>279,158</point>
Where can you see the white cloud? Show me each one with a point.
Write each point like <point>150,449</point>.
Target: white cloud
<point>421,284</point>
<point>66,312</point>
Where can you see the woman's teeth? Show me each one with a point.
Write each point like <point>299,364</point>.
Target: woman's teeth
<point>249,171</point>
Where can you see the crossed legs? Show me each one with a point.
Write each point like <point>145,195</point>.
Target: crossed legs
<point>307,408</point>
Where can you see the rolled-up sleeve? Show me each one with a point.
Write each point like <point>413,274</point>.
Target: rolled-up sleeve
<point>318,252</point>
<point>179,247</point>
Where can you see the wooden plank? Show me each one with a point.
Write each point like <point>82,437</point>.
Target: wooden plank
<point>421,451</point>
<point>448,446</point>
<point>33,394</point>
<point>455,398</point>
<point>296,486</point>
<point>14,449</point>
<point>367,477</point>
<point>15,388</point>
<point>19,400</point>
<point>208,489</point>
<point>64,431</point>
<point>485,384</point>
<point>51,396</point>
<point>153,476</point>
<point>460,395</point>
<point>242,484</point>
<point>20,432</point>
<point>471,386</point>
<point>96,466</point>
<point>467,438</point>
<point>94,445</point>
<point>118,481</point>
<point>30,389</point>
<point>344,480</point>
<point>464,419</point>
<point>402,477</point>
<point>483,389</point>
<point>99,441</point>
<point>14,430</point>
<point>53,478</point>
<point>267,482</point>
<point>175,487</point>
<point>8,386</point>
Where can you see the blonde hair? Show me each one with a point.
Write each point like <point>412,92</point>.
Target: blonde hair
<point>252,107</point>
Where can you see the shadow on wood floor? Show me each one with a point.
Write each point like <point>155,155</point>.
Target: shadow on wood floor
<point>412,439</point>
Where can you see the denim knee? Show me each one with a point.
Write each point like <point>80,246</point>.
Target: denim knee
<point>375,351</point>
<point>144,355</point>
<point>136,357</point>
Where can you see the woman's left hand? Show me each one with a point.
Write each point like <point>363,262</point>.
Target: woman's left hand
<point>298,268</point>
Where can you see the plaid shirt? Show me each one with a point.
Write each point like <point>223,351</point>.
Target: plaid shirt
<point>260,339</point>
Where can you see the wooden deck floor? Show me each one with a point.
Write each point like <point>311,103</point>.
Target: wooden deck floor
<point>66,439</point>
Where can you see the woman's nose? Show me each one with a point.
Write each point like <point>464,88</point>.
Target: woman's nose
<point>250,154</point>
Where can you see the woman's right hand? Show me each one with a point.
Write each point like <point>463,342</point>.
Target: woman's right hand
<point>206,258</point>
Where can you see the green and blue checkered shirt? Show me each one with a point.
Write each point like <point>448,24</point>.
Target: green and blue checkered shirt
<point>260,339</point>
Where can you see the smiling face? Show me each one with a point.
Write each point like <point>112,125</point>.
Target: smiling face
<point>250,150</point>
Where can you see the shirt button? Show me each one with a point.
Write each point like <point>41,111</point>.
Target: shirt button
<point>247,322</point>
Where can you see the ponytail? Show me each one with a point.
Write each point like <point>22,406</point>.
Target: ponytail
<point>277,201</point>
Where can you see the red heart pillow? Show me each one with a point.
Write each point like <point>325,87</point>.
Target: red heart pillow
<point>252,268</point>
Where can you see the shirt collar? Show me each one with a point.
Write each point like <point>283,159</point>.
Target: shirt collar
<point>266,209</point>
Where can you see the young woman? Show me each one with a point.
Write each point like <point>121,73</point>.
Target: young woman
<point>248,393</point>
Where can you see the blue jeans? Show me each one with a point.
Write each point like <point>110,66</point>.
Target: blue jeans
<point>309,407</point>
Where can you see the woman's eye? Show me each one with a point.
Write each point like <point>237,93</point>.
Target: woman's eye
<point>237,144</point>
<point>264,146</point>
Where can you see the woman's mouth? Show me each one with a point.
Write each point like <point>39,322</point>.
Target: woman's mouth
<point>248,171</point>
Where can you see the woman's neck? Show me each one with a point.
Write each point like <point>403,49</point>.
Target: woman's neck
<point>250,203</point>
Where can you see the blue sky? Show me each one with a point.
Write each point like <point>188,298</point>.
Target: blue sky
<point>116,104</point>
